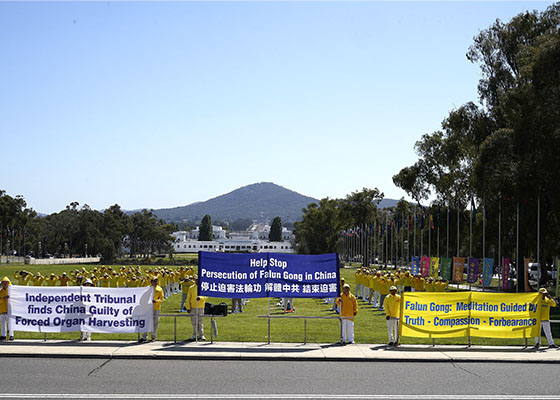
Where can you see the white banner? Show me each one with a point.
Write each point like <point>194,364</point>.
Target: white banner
<point>80,308</point>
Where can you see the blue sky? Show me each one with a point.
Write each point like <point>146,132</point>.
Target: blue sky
<point>156,104</point>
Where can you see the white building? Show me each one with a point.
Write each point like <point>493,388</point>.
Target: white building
<point>244,242</point>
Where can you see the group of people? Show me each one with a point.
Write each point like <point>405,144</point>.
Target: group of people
<point>349,309</point>
<point>373,286</point>
<point>164,280</point>
<point>106,276</point>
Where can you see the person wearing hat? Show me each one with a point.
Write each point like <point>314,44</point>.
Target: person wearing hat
<point>392,310</point>
<point>38,279</point>
<point>158,299</point>
<point>22,277</point>
<point>546,303</point>
<point>383,285</point>
<point>64,279</point>
<point>4,321</point>
<point>195,306</point>
<point>348,310</point>
<point>52,280</point>
<point>86,336</point>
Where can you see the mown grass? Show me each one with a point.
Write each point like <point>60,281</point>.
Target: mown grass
<point>370,324</point>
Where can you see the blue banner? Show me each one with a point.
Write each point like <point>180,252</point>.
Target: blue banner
<point>487,271</point>
<point>415,266</point>
<point>233,275</point>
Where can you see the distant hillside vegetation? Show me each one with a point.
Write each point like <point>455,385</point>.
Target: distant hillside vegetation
<point>253,201</point>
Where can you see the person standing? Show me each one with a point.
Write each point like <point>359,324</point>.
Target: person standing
<point>4,321</point>
<point>186,284</point>
<point>393,310</point>
<point>195,307</point>
<point>158,299</point>
<point>546,303</point>
<point>86,336</point>
<point>348,310</point>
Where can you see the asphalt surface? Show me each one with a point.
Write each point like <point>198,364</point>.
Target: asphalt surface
<point>58,378</point>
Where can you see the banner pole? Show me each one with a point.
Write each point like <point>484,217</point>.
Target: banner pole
<point>268,318</point>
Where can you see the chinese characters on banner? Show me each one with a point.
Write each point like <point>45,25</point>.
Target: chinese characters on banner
<point>268,274</point>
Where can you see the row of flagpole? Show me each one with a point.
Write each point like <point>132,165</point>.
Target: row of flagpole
<point>376,242</point>
<point>15,233</point>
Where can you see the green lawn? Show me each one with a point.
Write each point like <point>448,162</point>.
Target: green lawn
<point>370,325</point>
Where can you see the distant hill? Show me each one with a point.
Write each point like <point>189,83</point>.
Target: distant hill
<point>258,201</point>
<point>385,203</point>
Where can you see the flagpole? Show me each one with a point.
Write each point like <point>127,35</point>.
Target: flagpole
<point>538,233</point>
<point>396,238</point>
<point>430,236</point>
<point>414,250</point>
<point>421,241</point>
<point>408,260</point>
<point>500,242</point>
<point>470,229</point>
<point>447,234</point>
<point>484,242</point>
<point>386,245</point>
<point>374,250</point>
<point>402,240</point>
<point>457,229</point>
<point>438,236</point>
<point>517,250</point>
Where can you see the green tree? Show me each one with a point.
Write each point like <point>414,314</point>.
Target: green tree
<point>317,232</point>
<point>275,234</point>
<point>205,230</point>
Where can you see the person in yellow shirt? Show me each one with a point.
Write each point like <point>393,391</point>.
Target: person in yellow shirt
<point>429,285</point>
<point>195,306</point>
<point>358,276</point>
<point>376,293</point>
<point>348,310</point>
<point>407,281</point>
<point>64,279</point>
<point>52,280</point>
<point>121,280</point>
<point>393,310</point>
<point>38,279</point>
<point>371,285</point>
<point>158,299</point>
<point>186,284</point>
<point>546,303</point>
<point>22,277</point>
<point>440,285</point>
<point>105,281</point>
<point>4,321</point>
<point>418,283</point>
<point>383,285</point>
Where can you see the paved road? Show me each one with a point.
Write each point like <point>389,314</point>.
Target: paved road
<point>265,378</point>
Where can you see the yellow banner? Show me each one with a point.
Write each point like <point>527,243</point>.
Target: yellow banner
<point>434,267</point>
<point>495,315</point>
